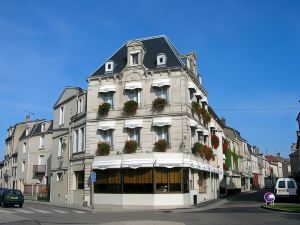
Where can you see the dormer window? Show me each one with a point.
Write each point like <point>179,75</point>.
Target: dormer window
<point>109,67</point>
<point>43,127</point>
<point>134,59</point>
<point>161,59</point>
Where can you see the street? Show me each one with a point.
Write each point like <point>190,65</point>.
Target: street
<point>243,209</point>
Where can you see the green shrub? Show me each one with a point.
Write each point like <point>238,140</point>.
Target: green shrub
<point>130,107</point>
<point>103,109</point>
<point>161,145</point>
<point>130,146</point>
<point>159,104</point>
<point>198,149</point>
<point>103,148</point>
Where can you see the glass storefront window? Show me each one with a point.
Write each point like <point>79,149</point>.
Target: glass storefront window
<point>138,180</point>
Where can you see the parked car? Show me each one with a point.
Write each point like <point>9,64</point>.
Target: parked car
<point>11,197</point>
<point>286,187</point>
<point>2,189</point>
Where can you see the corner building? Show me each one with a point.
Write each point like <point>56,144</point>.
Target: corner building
<point>161,171</point>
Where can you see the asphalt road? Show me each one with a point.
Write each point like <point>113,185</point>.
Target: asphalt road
<point>243,209</point>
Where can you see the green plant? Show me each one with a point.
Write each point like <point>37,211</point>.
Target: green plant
<point>130,146</point>
<point>228,159</point>
<point>130,107</point>
<point>103,148</point>
<point>205,115</point>
<point>225,146</point>
<point>103,109</point>
<point>159,104</point>
<point>208,153</point>
<point>198,149</point>
<point>196,107</point>
<point>215,141</point>
<point>235,158</point>
<point>161,145</point>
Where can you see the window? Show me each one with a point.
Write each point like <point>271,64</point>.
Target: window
<point>78,140</point>
<point>43,127</point>
<point>193,135</point>
<point>80,105</point>
<point>162,133</point>
<point>23,166</point>
<point>106,136</point>
<point>42,141</point>
<point>41,159</point>
<point>108,97</point>
<point>61,115</point>
<point>109,66</point>
<point>281,184</point>
<point>134,59</point>
<point>135,95</point>
<point>200,137</point>
<point>61,146</point>
<point>27,131</point>
<point>79,179</point>
<point>138,180</point>
<point>291,184</point>
<point>134,135</point>
<point>168,180</point>
<point>59,177</point>
<point>191,91</point>
<point>202,182</point>
<point>108,181</point>
<point>24,147</point>
<point>161,60</point>
<point>162,92</point>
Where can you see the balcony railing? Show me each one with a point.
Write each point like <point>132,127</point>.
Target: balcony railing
<point>39,169</point>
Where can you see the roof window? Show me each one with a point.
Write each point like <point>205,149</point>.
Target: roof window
<point>161,60</point>
<point>109,67</point>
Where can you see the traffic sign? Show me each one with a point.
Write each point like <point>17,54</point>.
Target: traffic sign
<point>269,197</point>
<point>93,177</point>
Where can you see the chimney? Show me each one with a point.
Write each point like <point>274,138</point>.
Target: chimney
<point>27,118</point>
<point>223,121</point>
<point>278,154</point>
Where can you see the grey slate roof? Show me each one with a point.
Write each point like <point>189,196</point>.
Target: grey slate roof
<point>153,46</point>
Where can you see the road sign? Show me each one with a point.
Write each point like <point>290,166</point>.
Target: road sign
<point>269,197</point>
<point>93,177</point>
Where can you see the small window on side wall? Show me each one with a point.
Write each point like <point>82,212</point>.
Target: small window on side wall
<point>109,67</point>
<point>161,60</point>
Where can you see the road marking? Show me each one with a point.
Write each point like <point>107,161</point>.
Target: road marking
<point>60,211</point>
<point>77,211</point>
<point>5,211</point>
<point>39,210</point>
<point>24,211</point>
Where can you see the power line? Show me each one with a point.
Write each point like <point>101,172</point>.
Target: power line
<point>258,109</point>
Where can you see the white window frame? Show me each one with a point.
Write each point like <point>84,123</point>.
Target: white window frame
<point>132,55</point>
<point>108,97</point>
<point>161,59</point>
<point>162,132</point>
<point>23,166</point>
<point>61,115</point>
<point>79,105</point>
<point>59,177</point>
<point>27,131</point>
<point>109,64</point>
<point>24,147</point>
<point>107,136</point>
<point>43,127</point>
<point>162,92</point>
<point>60,149</point>
<point>134,134</point>
<point>42,141</point>
<point>78,140</point>
<point>135,95</point>
<point>193,135</point>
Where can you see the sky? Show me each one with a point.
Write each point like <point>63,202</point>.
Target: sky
<point>248,55</point>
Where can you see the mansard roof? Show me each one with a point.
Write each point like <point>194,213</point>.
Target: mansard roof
<point>153,46</point>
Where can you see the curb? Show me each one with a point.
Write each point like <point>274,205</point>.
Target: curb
<point>278,210</point>
<point>62,206</point>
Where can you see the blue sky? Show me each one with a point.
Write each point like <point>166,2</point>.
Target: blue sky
<point>248,55</point>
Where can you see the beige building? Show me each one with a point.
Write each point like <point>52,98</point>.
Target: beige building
<point>68,154</point>
<point>150,89</point>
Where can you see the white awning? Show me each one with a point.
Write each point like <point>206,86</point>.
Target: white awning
<point>162,121</point>
<point>133,123</point>
<point>107,125</point>
<point>200,128</point>
<point>102,165</point>
<point>191,85</point>
<point>193,123</point>
<point>204,99</point>
<point>133,85</point>
<point>137,163</point>
<point>168,163</point>
<point>161,82</point>
<point>107,88</point>
<point>205,133</point>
